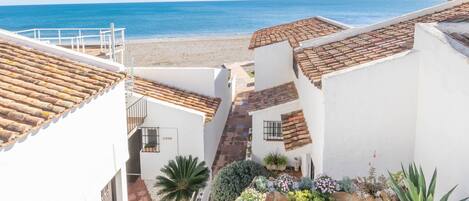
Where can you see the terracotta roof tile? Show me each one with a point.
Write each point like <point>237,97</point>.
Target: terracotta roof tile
<point>461,37</point>
<point>272,96</point>
<point>294,32</point>
<point>294,130</point>
<point>36,87</point>
<point>368,46</point>
<point>205,104</point>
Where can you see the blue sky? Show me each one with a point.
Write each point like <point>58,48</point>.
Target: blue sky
<point>33,2</point>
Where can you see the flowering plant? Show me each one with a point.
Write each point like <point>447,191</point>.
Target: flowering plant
<point>251,194</point>
<point>283,183</point>
<point>305,195</point>
<point>325,184</point>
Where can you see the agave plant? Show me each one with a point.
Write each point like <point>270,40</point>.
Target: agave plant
<point>415,187</point>
<point>185,176</point>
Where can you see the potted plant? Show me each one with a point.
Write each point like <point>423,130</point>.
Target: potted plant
<point>150,147</point>
<point>270,161</point>
<point>282,162</point>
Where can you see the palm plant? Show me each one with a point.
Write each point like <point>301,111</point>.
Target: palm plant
<point>415,187</point>
<point>185,176</point>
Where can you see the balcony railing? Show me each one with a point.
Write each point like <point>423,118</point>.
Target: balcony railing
<point>136,114</point>
<point>104,42</point>
<point>151,139</point>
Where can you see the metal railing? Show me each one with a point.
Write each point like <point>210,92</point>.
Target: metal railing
<point>136,114</point>
<point>110,42</point>
<point>150,139</point>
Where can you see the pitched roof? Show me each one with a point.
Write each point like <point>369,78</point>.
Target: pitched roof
<point>368,46</point>
<point>272,96</point>
<point>294,130</point>
<point>294,32</point>
<point>37,87</point>
<point>191,100</point>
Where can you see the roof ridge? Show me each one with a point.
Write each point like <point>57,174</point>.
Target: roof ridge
<point>177,96</point>
<point>295,32</point>
<point>175,87</point>
<point>289,23</point>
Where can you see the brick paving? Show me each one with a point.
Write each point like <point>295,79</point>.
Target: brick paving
<point>232,146</point>
<point>137,191</point>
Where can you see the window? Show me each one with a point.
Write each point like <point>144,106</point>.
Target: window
<point>273,130</point>
<point>151,140</point>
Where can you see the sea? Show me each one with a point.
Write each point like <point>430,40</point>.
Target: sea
<point>202,18</point>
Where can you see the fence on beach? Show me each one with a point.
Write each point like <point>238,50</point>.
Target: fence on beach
<point>106,43</point>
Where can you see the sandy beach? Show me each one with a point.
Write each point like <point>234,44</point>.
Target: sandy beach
<point>186,52</point>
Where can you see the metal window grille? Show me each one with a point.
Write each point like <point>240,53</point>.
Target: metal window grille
<point>151,139</point>
<point>273,130</point>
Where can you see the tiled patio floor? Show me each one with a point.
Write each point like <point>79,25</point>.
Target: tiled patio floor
<point>137,191</point>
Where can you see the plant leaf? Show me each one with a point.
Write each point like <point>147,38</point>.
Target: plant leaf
<point>431,188</point>
<point>446,196</point>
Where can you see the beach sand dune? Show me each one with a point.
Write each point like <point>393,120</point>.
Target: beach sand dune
<point>187,52</point>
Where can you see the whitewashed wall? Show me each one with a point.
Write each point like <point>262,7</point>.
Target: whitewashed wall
<point>370,108</point>
<point>273,65</point>
<point>312,103</point>
<point>185,125</point>
<point>196,79</point>
<point>194,136</point>
<point>443,113</point>
<point>214,129</point>
<point>73,158</point>
<point>261,147</point>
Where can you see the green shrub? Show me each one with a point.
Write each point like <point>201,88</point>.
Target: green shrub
<point>306,184</point>
<point>346,185</point>
<point>234,178</point>
<point>260,183</point>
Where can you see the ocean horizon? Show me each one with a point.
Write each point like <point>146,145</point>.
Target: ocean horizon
<point>201,18</point>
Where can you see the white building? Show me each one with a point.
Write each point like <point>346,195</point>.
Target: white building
<point>396,88</point>
<point>62,134</point>
<point>273,48</point>
<point>186,113</point>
